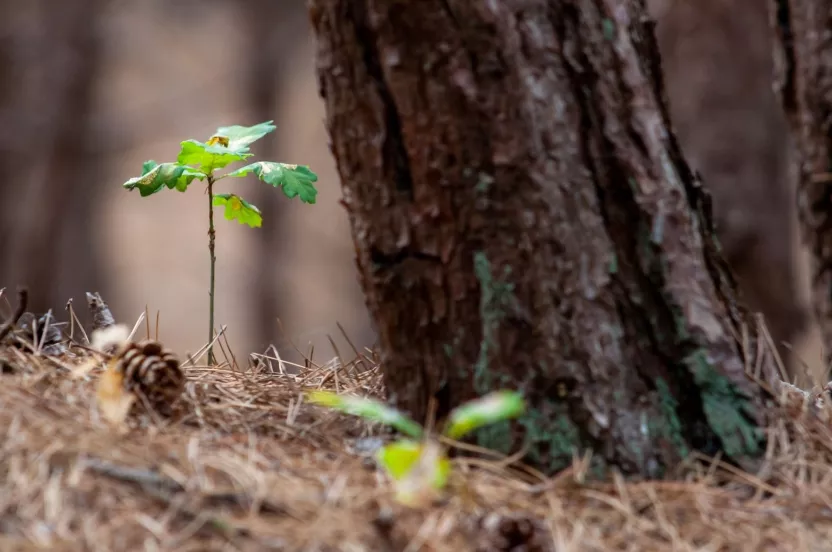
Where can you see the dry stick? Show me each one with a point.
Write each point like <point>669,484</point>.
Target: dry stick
<point>136,326</point>
<point>139,476</point>
<point>307,360</point>
<point>151,479</point>
<point>225,353</point>
<point>277,357</point>
<point>280,367</point>
<point>34,323</point>
<point>211,238</point>
<point>68,308</point>
<point>230,351</point>
<point>341,364</point>
<point>349,369</point>
<point>350,343</point>
<point>42,340</point>
<point>22,301</point>
<point>781,368</point>
<point>197,355</point>
<point>163,489</point>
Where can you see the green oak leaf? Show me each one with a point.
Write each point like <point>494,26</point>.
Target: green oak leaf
<point>296,180</point>
<point>240,137</point>
<point>148,166</point>
<point>237,208</point>
<point>155,176</point>
<point>208,157</point>
<point>494,407</point>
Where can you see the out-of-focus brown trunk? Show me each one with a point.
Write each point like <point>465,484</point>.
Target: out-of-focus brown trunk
<point>524,219</point>
<point>47,236</point>
<point>718,71</point>
<point>10,70</point>
<point>803,33</point>
<point>272,28</point>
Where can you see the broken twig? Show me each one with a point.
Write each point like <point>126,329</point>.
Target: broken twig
<point>22,301</point>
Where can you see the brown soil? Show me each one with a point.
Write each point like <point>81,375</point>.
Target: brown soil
<point>244,467</point>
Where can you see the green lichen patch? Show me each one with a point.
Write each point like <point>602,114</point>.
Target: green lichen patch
<point>550,435</point>
<point>725,408</point>
<point>495,297</point>
<point>649,260</point>
<point>680,323</point>
<point>609,28</point>
<point>670,426</point>
<point>484,182</point>
<point>450,349</point>
<point>612,266</point>
<point>497,436</point>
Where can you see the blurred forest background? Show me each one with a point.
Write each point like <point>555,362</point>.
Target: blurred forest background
<point>89,89</point>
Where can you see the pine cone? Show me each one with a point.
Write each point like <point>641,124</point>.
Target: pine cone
<point>152,373</point>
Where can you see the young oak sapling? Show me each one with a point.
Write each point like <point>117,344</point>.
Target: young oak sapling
<point>200,161</point>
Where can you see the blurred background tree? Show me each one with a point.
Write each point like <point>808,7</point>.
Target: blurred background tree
<point>92,88</point>
<point>52,63</point>
<point>803,82</point>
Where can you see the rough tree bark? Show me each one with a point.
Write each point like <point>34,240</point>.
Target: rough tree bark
<point>803,42</point>
<point>523,218</point>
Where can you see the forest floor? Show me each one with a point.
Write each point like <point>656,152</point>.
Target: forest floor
<point>249,466</point>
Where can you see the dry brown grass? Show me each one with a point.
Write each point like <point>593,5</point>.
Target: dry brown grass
<point>248,466</point>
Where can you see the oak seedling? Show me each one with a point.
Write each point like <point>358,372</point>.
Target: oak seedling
<point>418,465</point>
<point>201,161</point>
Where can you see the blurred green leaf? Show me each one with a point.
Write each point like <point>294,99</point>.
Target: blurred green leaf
<point>155,176</point>
<point>237,208</point>
<point>399,457</point>
<point>366,408</point>
<point>296,180</point>
<point>418,469</point>
<point>494,407</point>
<point>208,157</point>
<point>240,137</point>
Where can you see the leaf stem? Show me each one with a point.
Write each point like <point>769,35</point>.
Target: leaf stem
<point>211,239</point>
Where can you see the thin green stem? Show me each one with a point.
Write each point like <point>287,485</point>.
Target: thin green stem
<point>211,238</point>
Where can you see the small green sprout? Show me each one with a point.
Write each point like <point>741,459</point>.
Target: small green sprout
<point>420,469</point>
<point>199,161</point>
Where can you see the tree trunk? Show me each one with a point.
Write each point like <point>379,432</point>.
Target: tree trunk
<point>523,219</point>
<point>46,234</point>
<point>803,32</point>
<point>263,80</point>
<point>717,68</point>
<point>268,28</point>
